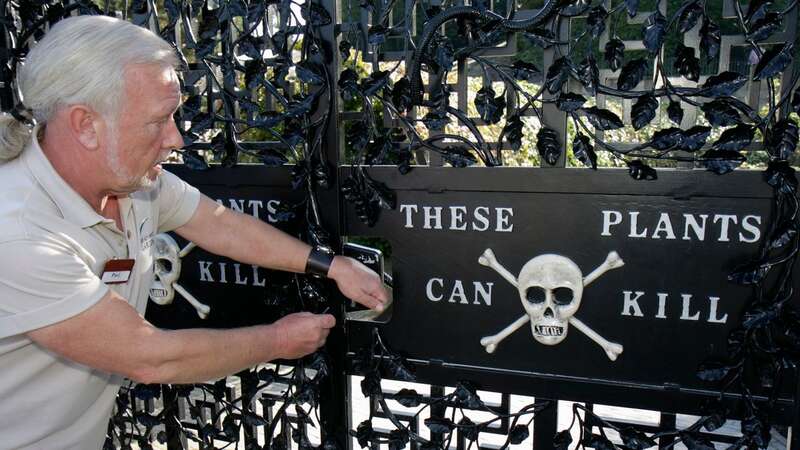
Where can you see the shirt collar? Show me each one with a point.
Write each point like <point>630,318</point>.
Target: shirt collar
<point>72,206</point>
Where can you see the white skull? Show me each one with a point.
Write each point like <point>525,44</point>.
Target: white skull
<point>167,269</point>
<point>550,288</point>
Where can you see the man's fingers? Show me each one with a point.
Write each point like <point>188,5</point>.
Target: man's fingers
<point>382,294</point>
<point>323,336</point>
<point>378,298</point>
<point>326,321</point>
<point>377,304</point>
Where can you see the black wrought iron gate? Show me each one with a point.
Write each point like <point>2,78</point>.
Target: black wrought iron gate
<point>302,107</point>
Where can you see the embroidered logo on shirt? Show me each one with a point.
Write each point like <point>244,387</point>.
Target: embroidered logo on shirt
<point>145,234</point>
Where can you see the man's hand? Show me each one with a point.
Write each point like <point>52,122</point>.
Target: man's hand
<point>358,283</point>
<point>302,333</point>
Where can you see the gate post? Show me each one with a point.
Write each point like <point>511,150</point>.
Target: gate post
<point>545,426</point>
<point>334,390</point>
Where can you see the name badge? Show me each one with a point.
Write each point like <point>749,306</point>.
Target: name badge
<point>117,271</point>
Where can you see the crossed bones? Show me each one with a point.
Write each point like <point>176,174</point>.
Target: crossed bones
<point>612,349</point>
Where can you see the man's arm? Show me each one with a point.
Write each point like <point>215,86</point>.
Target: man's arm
<point>244,238</point>
<point>111,336</point>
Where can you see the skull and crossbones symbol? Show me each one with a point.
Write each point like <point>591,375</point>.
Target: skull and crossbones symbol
<point>550,289</point>
<point>167,270</point>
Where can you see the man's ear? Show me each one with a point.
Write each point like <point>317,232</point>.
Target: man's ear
<point>85,125</point>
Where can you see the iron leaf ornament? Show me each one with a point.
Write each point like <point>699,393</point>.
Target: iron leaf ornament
<point>689,16</point>
<point>602,119</point>
<point>588,74</point>
<point>687,64</point>
<point>490,107</point>
<point>694,138</point>
<point>614,54</point>
<point>765,27</point>
<point>653,32</point>
<point>774,61</point>
<point>570,102</point>
<point>735,139</point>
<point>583,150</point>
<point>638,170</point>
<point>782,141</point>
<point>643,111</point>
<point>667,138</point>
<point>632,74</point>
<point>675,112</point>
<point>548,146</point>
<point>721,113</point>
<point>723,84</point>
<point>710,38</point>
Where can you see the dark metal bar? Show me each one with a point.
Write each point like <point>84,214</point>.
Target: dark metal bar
<point>334,390</point>
<point>175,439</point>
<point>667,422</point>
<point>545,426</point>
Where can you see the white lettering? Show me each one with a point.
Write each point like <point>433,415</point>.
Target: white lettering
<point>664,225</point>
<point>482,216</point>
<point>699,230</point>
<point>712,312</point>
<point>431,220</point>
<point>205,273</point>
<point>723,229</point>
<point>239,280</point>
<point>608,222</point>
<point>272,209</point>
<point>694,226</point>
<point>662,305</point>
<point>485,294</point>
<point>504,219</point>
<point>236,205</point>
<point>687,299</point>
<point>256,282</point>
<point>457,218</point>
<point>634,215</point>
<point>631,307</point>
<point>408,210</point>
<point>458,291</point>
<point>222,272</point>
<point>632,303</point>
<point>254,206</point>
<point>751,228</point>
<point>429,289</point>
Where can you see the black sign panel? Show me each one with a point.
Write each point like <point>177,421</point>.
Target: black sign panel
<point>566,306</point>
<point>236,293</point>
<point>576,328</point>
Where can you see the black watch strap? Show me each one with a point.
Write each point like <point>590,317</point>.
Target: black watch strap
<point>319,261</point>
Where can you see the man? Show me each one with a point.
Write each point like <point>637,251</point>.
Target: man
<point>75,192</point>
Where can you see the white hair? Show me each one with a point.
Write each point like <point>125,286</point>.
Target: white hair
<point>81,60</point>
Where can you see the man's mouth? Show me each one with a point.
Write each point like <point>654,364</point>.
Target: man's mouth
<point>154,171</point>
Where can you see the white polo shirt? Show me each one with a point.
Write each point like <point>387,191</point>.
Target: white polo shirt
<point>53,247</point>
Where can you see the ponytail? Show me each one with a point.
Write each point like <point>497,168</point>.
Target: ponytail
<point>14,136</point>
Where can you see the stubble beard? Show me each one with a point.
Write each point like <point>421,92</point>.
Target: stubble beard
<point>130,182</point>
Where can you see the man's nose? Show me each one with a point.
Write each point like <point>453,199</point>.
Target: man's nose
<point>173,139</point>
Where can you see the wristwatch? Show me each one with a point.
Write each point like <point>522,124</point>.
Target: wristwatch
<point>319,261</point>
